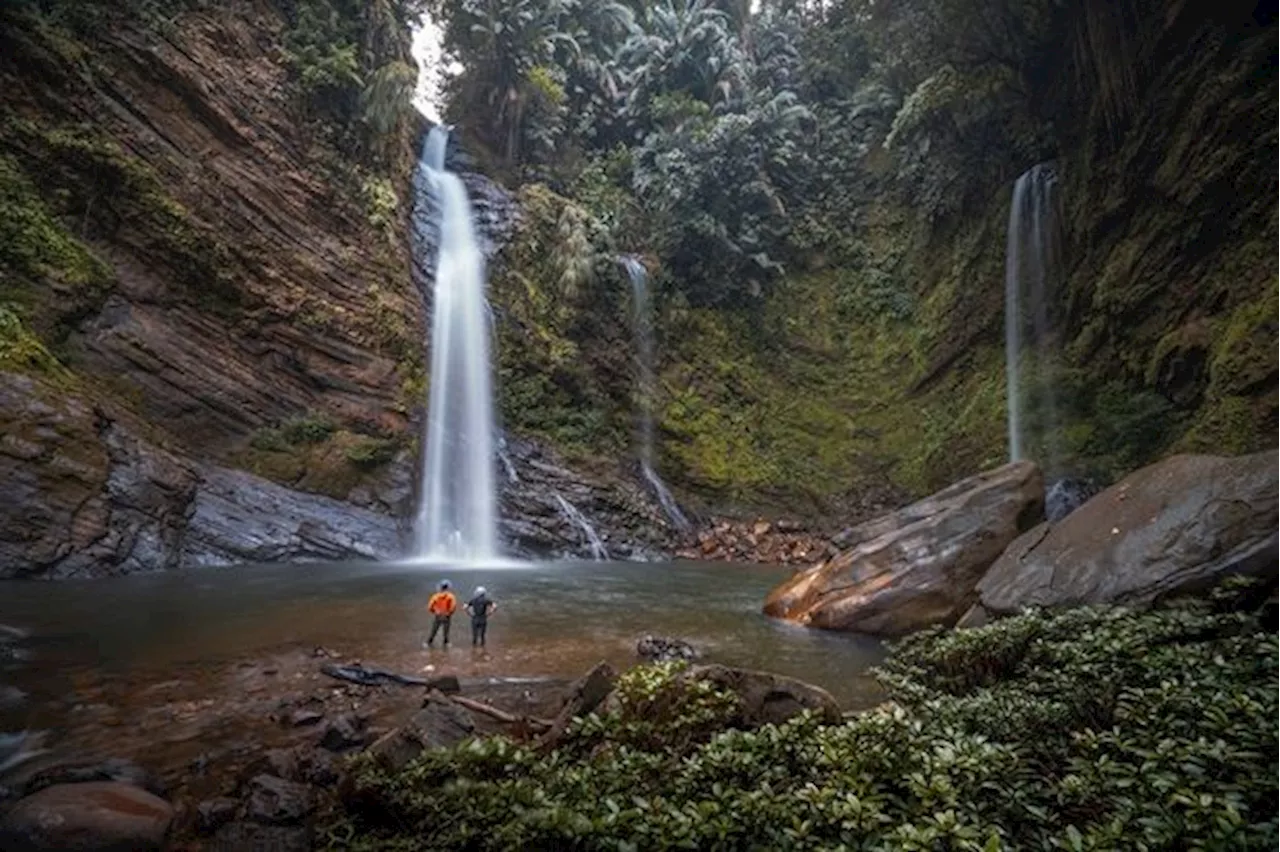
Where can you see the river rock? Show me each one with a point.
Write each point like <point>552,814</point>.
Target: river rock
<point>439,724</point>
<point>275,801</point>
<point>584,695</point>
<point>253,837</point>
<point>96,816</point>
<point>1177,525</point>
<point>917,566</point>
<point>767,698</point>
<point>212,814</point>
<point>345,732</point>
<point>661,649</point>
<point>112,769</point>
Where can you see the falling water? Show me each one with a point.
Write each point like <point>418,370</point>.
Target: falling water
<point>457,518</point>
<point>642,322</point>
<point>1032,266</point>
<point>575,517</point>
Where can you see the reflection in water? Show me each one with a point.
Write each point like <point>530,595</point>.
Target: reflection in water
<point>553,620</point>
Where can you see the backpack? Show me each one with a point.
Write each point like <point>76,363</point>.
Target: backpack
<point>480,606</point>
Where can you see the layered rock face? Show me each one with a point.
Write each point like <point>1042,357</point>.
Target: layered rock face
<point>1178,525</point>
<point>918,566</point>
<point>210,339</point>
<point>84,496</point>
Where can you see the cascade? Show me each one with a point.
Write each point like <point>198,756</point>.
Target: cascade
<point>1032,270</point>
<point>642,323</point>
<point>574,516</point>
<point>457,514</point>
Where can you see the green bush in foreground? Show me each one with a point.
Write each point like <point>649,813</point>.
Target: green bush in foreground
<point>1090,729</point>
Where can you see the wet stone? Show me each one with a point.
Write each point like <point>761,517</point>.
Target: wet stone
<point>251,837</point>
<point>275,801</point>
<point>344,732</point>
<point>95,815</point>
<point>304,717</point>
<point>112,769</point>
<point>215,813</point>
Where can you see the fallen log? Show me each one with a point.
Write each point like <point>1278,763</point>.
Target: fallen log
<point>500,715</point>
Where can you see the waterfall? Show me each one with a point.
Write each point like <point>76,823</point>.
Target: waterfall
<point>457,515</point>
<point>575,517</point>
<point>642,323</point>
<point>1032,269</point>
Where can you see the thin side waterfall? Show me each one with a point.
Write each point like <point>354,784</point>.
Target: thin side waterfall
<point>574,516</point>
<point>457,515</point>
<point>642,323</point>
<point>1033,265</point>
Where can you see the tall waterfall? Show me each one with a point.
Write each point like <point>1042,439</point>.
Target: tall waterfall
<point>457,515</point>
<point>1032,268</point>
<point>642,323</point>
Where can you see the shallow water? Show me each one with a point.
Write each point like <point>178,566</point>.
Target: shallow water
<point>553,620</point>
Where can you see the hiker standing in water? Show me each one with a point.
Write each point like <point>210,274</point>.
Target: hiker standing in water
<point>441,605</point>
<point>480,606</point>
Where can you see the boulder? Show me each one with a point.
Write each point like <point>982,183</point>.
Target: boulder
<point>275,801</point>
<point>1176,526</point>
<point>102,816</point>
<point>212,814</point>
<point>767,698</point>
<point>917,566</point>
<point>345,732</point>
<point>439,724</point>
<point>584,696</point>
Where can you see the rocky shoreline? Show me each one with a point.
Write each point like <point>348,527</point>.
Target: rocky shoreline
<point>260,756</point>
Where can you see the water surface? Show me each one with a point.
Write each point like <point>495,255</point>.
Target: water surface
<point>553,620</point>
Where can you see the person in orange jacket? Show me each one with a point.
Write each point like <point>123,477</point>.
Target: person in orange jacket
<point>441,605</point>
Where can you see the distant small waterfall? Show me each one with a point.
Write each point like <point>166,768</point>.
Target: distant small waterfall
<point>457,514</point>
<point>1033,266</point>
<point>574,516</point>
<point>642,323</point>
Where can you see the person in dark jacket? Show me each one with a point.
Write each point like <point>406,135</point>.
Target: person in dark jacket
<point>480,606</point>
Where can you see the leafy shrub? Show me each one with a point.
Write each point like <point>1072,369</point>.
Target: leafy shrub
<point>307,429</point>
<point>371,452</point>
<point>1090,729</point>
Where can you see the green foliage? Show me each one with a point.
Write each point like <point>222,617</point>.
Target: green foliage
<point>85,19</point>
<point>34,246</point>
<point>1090,729</point>
<point>369,452</point>
<point>554,279</point>
<point>310,428</point>
<point>21,351</point>
<point>93,181</point>
<point>350,62</point>
<point>382,205</point>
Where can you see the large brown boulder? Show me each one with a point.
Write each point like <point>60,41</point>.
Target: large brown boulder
<point>917,566</point>
<point>96,816</point>
<point>1175,526</point>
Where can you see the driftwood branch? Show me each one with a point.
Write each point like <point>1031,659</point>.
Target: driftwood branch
<point>501,715</point>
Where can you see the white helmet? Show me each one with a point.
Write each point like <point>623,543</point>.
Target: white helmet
<point>480,590</point>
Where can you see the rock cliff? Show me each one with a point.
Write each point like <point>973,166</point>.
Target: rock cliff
<point>210,339</point>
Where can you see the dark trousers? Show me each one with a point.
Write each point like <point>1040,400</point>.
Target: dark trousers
<point>478,627</point>
<point>441,621</point>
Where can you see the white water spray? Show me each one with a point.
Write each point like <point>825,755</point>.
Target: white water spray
<point>1032,264</point>
<point>457,516</point>
<point>642,322</point>
<point>574,516</point>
